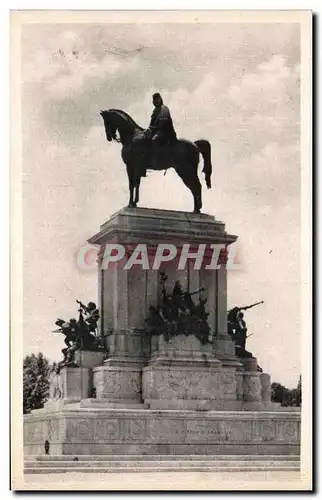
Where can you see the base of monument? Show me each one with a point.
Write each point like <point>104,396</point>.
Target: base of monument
<point>112,403</point>
<point>203,405</point>
<point>101,431</point>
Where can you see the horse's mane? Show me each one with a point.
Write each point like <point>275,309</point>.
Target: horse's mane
<point>127,117</point>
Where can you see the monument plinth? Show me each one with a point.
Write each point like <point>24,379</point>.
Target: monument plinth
<point>127,294</point>
<point>164,385</point>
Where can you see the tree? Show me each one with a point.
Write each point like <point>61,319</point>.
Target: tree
<point>278,392</point>
<point>36,370</point>
<point>285,396</point>
<point>299,392</point>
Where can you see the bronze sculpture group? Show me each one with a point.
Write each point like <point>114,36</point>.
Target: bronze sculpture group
<point>178,314</point>
<point>157,148</point>
<point>81,334</point>
<point>237,329</point>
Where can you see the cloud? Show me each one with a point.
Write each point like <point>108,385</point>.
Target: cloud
<point>65,74</point>
<point>172,57</point>
<point>269,75</point>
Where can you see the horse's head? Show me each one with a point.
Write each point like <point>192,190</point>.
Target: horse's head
<point>116,120</point>
<point>110,125</point>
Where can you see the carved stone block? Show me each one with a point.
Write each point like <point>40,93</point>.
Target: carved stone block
<point>117,383</point>
<point>106,429</point>
<point>239,385</point>
<point>133,429</point>
<point>265,379</point>
<point>75,382</point>
<point>80,429</point>
<point>166,430</point>
<point>178,384</point>
<point>251,386</point>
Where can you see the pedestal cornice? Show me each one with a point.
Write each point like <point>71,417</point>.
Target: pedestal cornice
<point>151,226</point>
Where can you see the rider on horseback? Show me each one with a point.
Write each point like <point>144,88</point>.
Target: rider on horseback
<point>161,125</point>
<point>161,131</point>
<point>183,155</point>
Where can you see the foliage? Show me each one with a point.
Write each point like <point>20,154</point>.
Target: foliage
<point>285,396</point>
<point>299,392</point>
<point>36,370</point>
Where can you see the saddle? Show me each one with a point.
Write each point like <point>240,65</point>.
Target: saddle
<point>160,156</point>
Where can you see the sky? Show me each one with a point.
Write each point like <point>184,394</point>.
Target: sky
<point>237,85</point>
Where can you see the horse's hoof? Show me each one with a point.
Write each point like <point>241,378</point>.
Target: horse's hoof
<point>196,212</point>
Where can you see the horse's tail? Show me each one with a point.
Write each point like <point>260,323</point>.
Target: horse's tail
<point>205,149</point>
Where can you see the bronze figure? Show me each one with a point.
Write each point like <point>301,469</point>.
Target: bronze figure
<point>179,315</point>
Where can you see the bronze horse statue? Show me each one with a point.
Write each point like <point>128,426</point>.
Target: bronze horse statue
<point>138,155</point>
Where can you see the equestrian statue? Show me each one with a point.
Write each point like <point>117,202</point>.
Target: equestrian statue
<point>157,148</point>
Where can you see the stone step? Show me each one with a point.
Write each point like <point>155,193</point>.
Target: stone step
<point>136,458</point>
<point>160,463</point>
<point>156,468</point>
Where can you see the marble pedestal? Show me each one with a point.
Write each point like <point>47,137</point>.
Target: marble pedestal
<point>127,293</point>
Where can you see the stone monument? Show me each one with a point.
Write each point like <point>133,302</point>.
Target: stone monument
<point>161,385</point>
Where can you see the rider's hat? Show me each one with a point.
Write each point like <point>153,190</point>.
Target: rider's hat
<point>157,95</point>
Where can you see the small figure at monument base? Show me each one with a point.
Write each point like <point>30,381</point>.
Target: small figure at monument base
<point>46,447</point>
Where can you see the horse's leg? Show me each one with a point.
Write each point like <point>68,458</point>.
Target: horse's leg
<point>130,172</point>
<point>134,185</point>
<point>197,194</point>
<point>137,190</point>
<point>191,180</point>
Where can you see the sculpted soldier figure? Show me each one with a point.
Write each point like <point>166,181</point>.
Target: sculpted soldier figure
<point>189,303</point>
<point>161,126</point>
<point>155,321</point>
<point>92,315</point>
<point>200,309</point>
<point>76,344</point>
<point>69,329</point>
<point>203,330</point>
<point>178,298</point>
<point>232,316</point>
<point>179,315</point>
<point>240,337</point>
<point>79,334</point>
<point>86,325</point>
<point>55,382</point>
<point>240,331</point>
